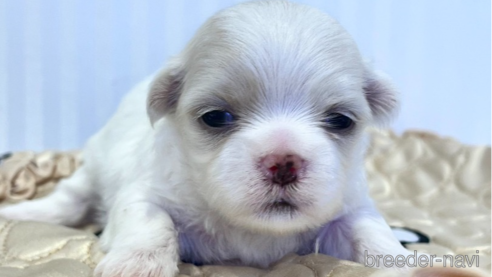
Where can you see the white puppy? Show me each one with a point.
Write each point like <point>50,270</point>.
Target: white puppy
<point>254,149</point>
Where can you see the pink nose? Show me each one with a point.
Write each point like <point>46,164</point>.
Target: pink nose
<point>281,169</point>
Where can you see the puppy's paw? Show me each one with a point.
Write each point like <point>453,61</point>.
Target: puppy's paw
<point>48,209</point>
<point>23,211</point>
<point>159,262</point>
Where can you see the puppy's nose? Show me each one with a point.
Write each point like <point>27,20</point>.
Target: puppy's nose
<point>282,169</point>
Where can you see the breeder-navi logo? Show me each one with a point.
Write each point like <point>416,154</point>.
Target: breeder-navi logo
<point>458,261</point>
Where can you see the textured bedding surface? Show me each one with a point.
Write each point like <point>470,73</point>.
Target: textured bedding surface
<point>418,180</point>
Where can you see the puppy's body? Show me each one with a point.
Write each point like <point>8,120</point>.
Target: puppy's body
<point>281,173</point>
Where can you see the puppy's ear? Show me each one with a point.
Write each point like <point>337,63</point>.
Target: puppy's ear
<point>165,91</point>
<point>382,98</point>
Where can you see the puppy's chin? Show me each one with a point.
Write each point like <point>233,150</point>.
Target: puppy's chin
<point>277,213</point>
<point>278,218</point>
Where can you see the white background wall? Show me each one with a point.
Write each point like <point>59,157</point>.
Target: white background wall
<point>64,65</point>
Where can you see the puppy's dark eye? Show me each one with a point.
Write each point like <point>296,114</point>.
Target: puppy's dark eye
<point>218,119</point>
<point>338,121</point>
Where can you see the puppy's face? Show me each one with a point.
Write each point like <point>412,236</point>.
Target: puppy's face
<point>272,118</point>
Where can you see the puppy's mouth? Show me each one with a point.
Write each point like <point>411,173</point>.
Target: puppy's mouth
<point>281,206</point>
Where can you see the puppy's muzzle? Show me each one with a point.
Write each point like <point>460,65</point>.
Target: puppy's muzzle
<point>282,170</point>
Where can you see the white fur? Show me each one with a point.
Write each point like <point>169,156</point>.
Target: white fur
<point>166,189</point>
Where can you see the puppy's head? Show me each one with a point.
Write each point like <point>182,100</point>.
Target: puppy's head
<point>270,100</point>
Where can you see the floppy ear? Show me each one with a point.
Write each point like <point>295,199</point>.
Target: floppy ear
<point>382,98</point>
<point>165,91</point>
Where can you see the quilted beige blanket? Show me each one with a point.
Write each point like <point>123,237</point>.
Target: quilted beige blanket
<point>431,184</point>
